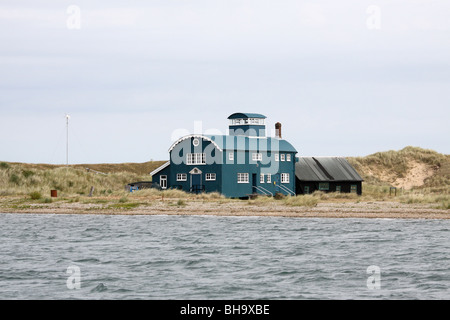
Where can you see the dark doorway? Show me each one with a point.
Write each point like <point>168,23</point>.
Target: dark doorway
<point>196,183</point>
<point>254,182</point>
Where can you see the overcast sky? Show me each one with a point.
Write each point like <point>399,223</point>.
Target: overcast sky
<point>346,78</point>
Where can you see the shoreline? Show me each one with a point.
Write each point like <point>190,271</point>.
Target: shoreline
<point>369,209</point>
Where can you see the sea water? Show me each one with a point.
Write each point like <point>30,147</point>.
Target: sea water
<point>49,256</point>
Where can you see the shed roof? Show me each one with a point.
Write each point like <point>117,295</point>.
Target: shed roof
<point>325,169</point>
<point>240,115</point>
<point>165,165</point>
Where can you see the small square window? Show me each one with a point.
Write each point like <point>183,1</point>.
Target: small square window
<point>324,186</point>
<point>242,178</point>
<point>288,157</point>
<point>257,156</point>
<point>210,177</point>
<point>283,157</point>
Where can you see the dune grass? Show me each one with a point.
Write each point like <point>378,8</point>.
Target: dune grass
<point>33,183</point>
<point>68,181</point>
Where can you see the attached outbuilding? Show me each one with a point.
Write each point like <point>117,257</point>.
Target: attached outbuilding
<point>327,174</point>
<point>247,161</point>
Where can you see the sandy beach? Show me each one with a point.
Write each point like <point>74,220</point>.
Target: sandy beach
<point>371,209</point>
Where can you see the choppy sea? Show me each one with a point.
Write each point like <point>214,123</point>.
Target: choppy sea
<point>51,256</point>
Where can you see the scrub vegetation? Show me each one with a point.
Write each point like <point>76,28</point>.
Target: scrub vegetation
<point>420,176</point>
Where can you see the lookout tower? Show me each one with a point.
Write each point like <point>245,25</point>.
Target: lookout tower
<point>247,124</point>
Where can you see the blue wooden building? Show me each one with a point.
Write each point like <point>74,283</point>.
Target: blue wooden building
<point>239,164</point>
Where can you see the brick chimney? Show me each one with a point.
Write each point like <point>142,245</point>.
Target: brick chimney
<point>278,130</point>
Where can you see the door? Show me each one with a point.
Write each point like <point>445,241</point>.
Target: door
<point>163,182</point>
<point>306,189</point>
<point>196,180</point>
<point>254,182</point>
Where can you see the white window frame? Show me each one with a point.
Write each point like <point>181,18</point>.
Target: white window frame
<point>285,178</point>
<point>257,156</point>
<point>283,157</point>
<point>261,178</point>
<point>269,178</point>
<point>241,121</point>
<point>195,158</point>
<point>210,177</point>
<point>181,177</point>
<point>277,157</point>
<point>231,156</point>
<point>288,157</point>
<point>161,179</point>
<point>242,178</point>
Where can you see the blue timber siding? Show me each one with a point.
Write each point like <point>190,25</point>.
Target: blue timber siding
<point>217,150</point>
<point>243,163</point>
<point>178,164</point>
<point>163,172</point>
<point>248,130</point>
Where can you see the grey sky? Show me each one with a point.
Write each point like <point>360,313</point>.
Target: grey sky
<point>136,71</point>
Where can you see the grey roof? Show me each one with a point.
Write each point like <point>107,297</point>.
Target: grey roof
<point>325,169</point>
<point>243,115</point>
<point>244,143</point>
<point>164,165</point>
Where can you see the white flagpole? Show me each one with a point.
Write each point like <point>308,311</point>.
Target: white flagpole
<point>67,139</point>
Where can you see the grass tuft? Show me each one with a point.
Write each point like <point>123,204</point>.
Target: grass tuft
<point>301,201</point>
<point>35,195</point>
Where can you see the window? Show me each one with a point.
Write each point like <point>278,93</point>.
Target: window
<point>283,157</point>
<point>242,178</point>
<point>277,157</point>
<point>288,157</point>
<point>210,177</point>
<point>261,178</point>
<point>196,158</point>
<point>195,142</point>
<point>181,176</point>
<point>285,178</point>
<point>338,188</point>
<point>163,182</point>
<point>257,121</point>
<point>269,178</point>
<point>257,156</point>
<point>353,188</point>
<point>324,186</point>
<point>231,156</point>
<point>306,189</point>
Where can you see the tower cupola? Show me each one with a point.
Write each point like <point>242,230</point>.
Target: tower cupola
<point>247,124</point>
